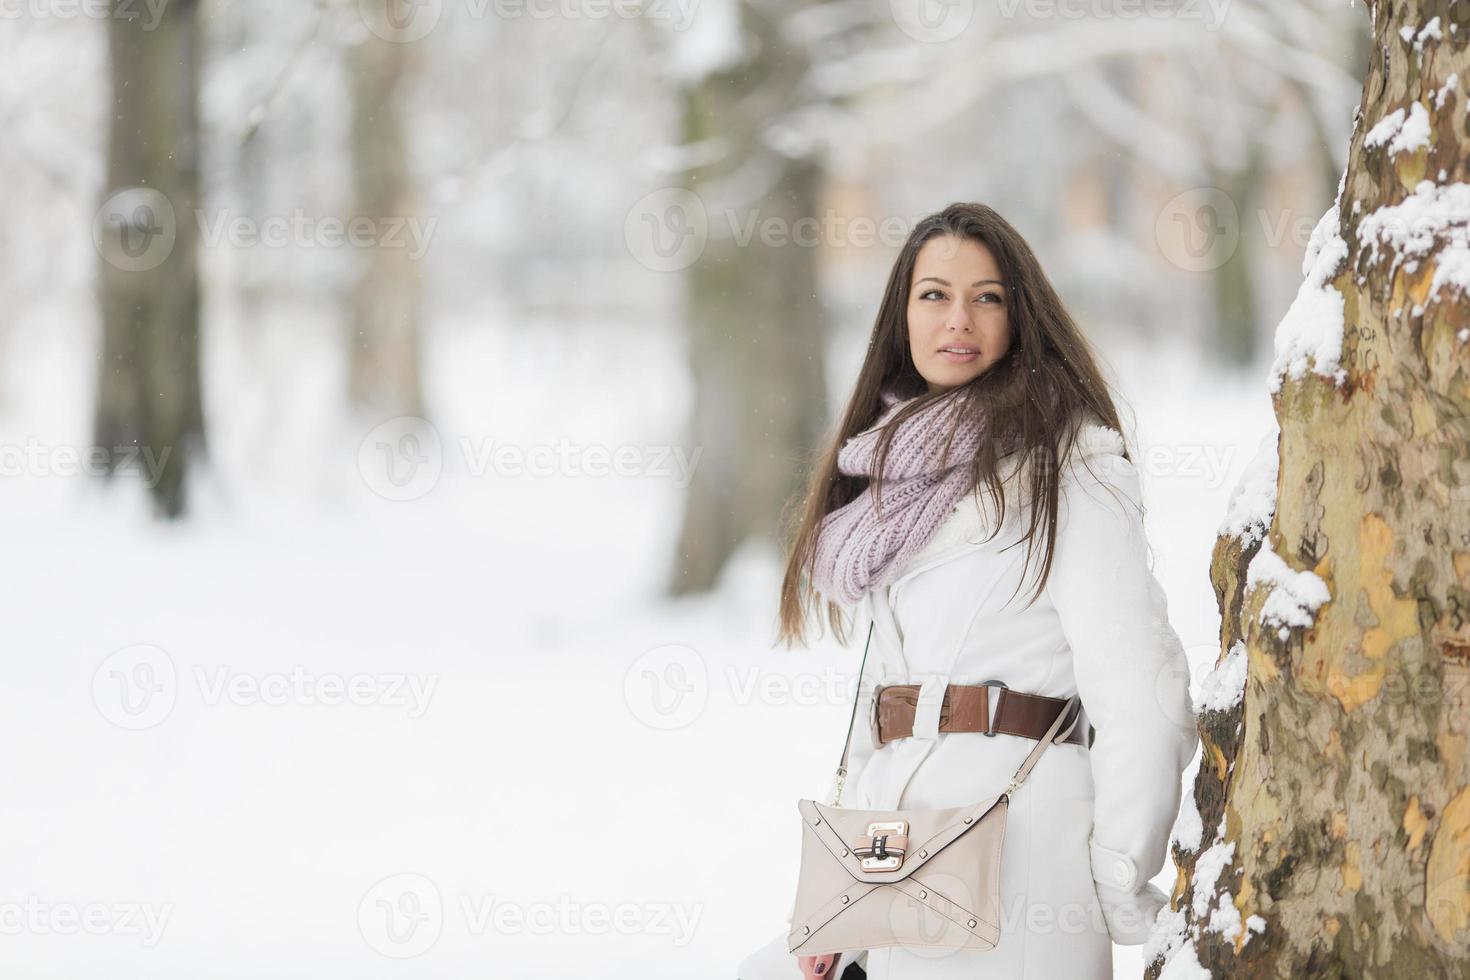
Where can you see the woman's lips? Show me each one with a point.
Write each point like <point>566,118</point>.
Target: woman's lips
<point>957,357</point>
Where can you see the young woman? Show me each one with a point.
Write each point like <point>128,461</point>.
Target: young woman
<point>980,446</point>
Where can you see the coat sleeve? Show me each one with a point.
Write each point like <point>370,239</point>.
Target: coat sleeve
<point>1133,680</point>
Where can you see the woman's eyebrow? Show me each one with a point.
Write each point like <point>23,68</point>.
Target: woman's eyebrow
<point>977,282</point>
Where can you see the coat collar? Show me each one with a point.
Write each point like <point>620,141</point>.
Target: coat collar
<point>974,517</point>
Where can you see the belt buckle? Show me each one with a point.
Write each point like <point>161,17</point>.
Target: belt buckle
<point>990,715</point>
<point>873,715</point>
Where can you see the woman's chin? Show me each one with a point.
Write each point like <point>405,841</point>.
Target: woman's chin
<point>946,376</point>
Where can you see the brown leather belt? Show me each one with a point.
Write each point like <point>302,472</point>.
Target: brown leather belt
<point>966,708</point>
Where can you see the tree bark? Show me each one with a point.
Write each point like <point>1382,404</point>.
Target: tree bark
<point>384,370</point>
<point>1334,796</point>
<point>148,413</point>
<point>753,310</point>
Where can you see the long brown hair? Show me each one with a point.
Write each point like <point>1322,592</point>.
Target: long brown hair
<point>1033,397</point>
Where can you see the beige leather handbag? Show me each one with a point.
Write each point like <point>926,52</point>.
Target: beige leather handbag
<point>926,878</point>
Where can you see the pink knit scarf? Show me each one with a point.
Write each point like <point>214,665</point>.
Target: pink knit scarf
<point>858,547</point>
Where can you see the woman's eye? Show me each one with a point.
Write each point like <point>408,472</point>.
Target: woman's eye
<point>982,298</point>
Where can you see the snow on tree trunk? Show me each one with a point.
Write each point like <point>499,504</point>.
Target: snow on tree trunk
<point>1328,833</point>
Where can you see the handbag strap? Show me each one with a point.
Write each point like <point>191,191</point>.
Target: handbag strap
<point>1043,743</point>
<point>841,777</point>
<point>1020,777</point>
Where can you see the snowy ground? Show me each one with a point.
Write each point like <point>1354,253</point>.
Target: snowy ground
<point>316,732</point>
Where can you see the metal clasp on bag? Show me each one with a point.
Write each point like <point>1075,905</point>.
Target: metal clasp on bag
<point>885,845</point>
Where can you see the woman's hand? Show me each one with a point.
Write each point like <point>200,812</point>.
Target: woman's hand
<point>817,967</point>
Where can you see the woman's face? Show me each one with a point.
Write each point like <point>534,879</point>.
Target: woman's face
<point>958,323</point>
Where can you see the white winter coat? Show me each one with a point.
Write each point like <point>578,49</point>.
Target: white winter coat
<point>1090,826</point>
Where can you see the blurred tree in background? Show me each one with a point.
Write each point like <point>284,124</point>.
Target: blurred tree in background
<point>1158,163</point>
<point>383,338</point>
<point>148,381</point>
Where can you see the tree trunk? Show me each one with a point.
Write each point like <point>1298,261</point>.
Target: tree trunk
<point>384,371</point>
<point>1333,795</point>
<point>753,310</point>
<point>148,414</point>
<point>1232,284</point>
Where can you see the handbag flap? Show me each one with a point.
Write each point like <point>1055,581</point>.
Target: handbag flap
<point>930,831</point>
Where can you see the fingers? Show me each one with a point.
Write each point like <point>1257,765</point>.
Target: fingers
<point>817,967</point>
